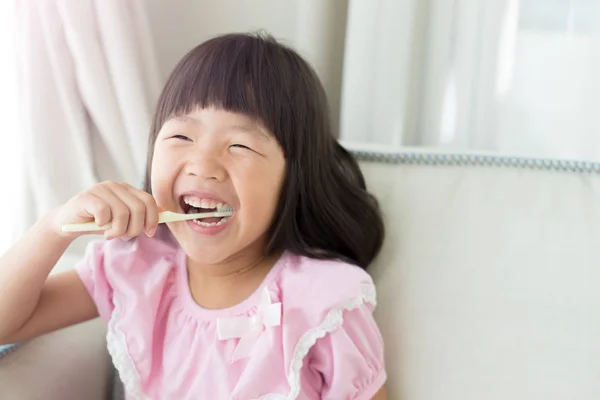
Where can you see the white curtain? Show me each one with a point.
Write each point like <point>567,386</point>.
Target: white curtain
<point>88,81</point>
<point>375,106</point>
<point>10,148</point>
<point>319,37</point>
<point>511,76</point>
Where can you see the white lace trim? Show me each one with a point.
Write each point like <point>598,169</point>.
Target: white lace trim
<point>117,348</point>
<point>333,320</point>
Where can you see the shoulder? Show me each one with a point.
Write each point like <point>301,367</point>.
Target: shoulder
<point>130,255</point>
<point>115,263</point>
<point>328,326</point>
<point>128,270</point>
<point>321,285</point>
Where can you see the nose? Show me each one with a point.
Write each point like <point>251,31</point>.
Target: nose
<point>205,165</point>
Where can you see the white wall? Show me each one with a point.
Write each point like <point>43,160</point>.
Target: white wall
<point>314,27</point>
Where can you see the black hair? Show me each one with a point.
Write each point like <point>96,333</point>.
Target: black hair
<point>325,211</point>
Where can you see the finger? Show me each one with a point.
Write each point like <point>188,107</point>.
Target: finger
<point>87,208</point>
<point>151,218</point>
<point>119,210</point>
<point>137,210</point>
<point>93,207</point>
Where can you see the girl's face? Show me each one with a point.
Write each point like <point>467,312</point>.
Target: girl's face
<point>213,159</point>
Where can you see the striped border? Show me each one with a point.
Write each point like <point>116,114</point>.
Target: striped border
<point>468,160</point>
<point>9,348</point>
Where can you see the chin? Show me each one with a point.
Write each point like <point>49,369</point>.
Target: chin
<point>222,253</point>
<point>205,253</point>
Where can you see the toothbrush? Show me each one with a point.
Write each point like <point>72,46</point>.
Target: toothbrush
<point>165,216</point>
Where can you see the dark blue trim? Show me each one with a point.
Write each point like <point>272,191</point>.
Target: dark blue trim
<point>5,349</point>
<point>469,160</point>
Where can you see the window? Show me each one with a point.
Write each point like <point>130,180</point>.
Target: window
<point>549,107</point>
<point>571,16</point>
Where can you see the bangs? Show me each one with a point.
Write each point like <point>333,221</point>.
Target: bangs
<point>234,73</point>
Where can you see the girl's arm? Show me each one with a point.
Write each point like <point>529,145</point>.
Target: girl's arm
<point>30,304</point>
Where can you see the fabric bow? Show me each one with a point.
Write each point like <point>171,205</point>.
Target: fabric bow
<point>249,328</point>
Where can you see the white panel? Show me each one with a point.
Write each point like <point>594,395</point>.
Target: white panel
<point>488,282</point>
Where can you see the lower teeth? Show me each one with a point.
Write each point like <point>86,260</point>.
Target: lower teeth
<point>206,224</point>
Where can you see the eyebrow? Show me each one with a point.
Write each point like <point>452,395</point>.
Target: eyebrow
<point>248,128</point>
<point>185,118</point>
<point>251,128</point>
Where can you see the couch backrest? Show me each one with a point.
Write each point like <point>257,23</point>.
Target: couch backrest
<point>489,279</point>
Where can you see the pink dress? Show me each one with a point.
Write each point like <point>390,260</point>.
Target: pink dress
<point>306,333</point>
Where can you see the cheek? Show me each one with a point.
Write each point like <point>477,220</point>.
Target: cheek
<point>162,177</point>
<point>262,195</point>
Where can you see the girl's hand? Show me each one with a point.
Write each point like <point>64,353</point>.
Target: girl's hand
<point>129,210</point>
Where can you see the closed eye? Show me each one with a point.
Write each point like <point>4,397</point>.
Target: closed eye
<point>241,146</point>
<point>181,137</point>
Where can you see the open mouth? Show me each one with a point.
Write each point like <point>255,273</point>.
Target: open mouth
<point>194,205</point>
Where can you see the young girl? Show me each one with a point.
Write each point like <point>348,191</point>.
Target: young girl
<point>270,303</point>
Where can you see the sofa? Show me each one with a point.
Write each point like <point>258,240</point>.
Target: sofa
<point>488,286</point>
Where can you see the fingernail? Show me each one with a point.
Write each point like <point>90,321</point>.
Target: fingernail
<point>125,238</point>
<point>151,232</point>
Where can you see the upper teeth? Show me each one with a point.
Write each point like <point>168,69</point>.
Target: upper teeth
<point>206,203</point>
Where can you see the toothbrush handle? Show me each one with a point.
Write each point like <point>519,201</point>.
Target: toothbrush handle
<point>85,227</point>
<point>165,216</point>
